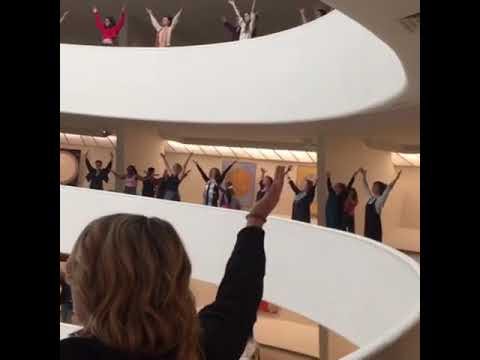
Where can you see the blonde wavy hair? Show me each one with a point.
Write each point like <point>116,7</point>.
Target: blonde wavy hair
<point>130,275</point>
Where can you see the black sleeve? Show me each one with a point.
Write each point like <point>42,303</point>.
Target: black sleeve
<point>294,187</point>
<point>224,173</point>
<point>329,185</point>
<point>311,194</point>
<point>109,167</point>
<point>228,322</point>
<point>89,166</point>
<point>204,176</point>
<point>350,183</point>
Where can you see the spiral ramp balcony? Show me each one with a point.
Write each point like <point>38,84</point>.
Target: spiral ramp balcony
<point>355,66</point>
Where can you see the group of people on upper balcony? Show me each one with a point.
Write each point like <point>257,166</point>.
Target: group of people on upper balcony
<point>243,28</point>
<point>219,192</point>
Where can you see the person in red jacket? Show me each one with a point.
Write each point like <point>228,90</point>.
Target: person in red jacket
<point>108,27</point>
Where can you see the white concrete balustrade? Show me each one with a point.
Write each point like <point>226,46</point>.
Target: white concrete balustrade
<point>360,289</point>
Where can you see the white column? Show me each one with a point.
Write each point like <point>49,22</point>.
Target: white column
<point>321,173</point>
<point>119,158</point>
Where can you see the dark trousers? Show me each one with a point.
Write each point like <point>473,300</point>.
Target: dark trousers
<point>348,223</point>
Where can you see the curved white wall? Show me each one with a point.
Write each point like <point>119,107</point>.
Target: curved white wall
<point>360,289</point>
<point>327,68</point>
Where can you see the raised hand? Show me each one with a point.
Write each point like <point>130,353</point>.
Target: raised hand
<point>231,2</point>
<point>149,11</point>
<point>95,9</point>
<point>264,207</point>
<point>289,168</point>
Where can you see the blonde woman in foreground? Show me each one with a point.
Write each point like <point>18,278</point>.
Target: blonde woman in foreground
<point>130,278</point>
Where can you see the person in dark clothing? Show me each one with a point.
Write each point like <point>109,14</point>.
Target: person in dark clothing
<point>228,199</point>
<point>348,219</point>
<point>66,302</point>
<point>96,176</point>
<point>149,182</point>
<point>303,200</point>
<point>337,195</point>
<point>232,29</point>
<point>175,175</point>
<point>378,196</point>
<point>160,193</point>
<point>264,184</point>
<point>213,181</point>
<point>142,308</point>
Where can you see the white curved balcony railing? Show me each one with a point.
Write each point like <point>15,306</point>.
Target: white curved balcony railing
<point>360,289</point>
<point>327,68</point>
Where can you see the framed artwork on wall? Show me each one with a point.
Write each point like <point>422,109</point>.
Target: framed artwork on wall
<point>69,166</point>
<point>242,176</point>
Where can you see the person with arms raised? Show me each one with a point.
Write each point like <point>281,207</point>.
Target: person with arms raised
<point>109,29</point>
<point>130,279</point>
<point>247,22</point>
<point>96,176</point>
<point>165,28</point>
<point>373,210</point>
<point>174,177</point>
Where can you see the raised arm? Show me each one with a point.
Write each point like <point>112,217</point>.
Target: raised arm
<point>87,162</point>
<point>394,181</point>
<point>121,21</point>
<point>352,180</point>
<point>184,175</point>
<point>253,22</point>
<point>253,16</point>
<point>108,168</point>
<point>185,164</point>
<point>365,181</point>
<point>294,187</point>
<point>311,192</point>
<point>64,16</point>
<point>98,19</point>
<point>233,313</point>
<point>302,15</point>
<point>225,172</point>
<point>167,165</point>
<point>176,18</point>
<point>237,12</point>
<point>329,183</point>
<point>202,173</point>
<point>154,21</point>
<point>382,199</point>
